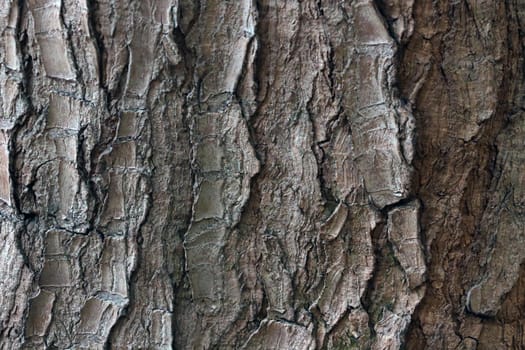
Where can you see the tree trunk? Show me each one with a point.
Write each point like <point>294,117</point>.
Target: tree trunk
<point>262,174</point>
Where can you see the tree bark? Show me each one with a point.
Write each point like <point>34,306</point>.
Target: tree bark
<point>206,174</point>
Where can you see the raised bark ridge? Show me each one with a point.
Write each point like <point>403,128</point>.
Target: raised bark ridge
<point>261,174</point>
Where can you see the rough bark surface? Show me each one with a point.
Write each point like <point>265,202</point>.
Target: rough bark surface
<point>262,174</point>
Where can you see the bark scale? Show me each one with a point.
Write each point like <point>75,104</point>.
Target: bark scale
<point>262,174</point>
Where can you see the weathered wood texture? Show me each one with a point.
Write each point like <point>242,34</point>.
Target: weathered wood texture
<point>212,174</point>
